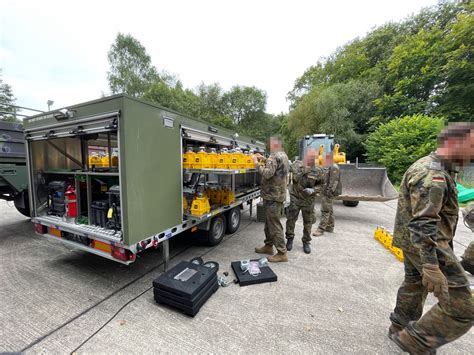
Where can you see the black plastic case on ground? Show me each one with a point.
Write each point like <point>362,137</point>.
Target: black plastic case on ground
<point>187,289</point>
<point>245,279</point>
<point>190,310</point>
<point>195,285</point>
<point>184,300</point>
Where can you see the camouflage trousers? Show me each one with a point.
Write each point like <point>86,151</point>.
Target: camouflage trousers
<point>468,258</point>
<point>445,321</point>
<point>309,217</point>
<point>273,227</point>
<point>469,253</point>
<point>327,214</point>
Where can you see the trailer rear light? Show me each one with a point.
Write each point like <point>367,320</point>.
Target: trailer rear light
<point>101,246</point>
<point>122,254</point>
<point>40,229</point>
<point>55,232</point>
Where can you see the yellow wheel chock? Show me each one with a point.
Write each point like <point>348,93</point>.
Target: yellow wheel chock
<point>385,238</point>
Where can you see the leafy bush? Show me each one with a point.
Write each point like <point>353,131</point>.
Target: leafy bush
<point>400,142</point>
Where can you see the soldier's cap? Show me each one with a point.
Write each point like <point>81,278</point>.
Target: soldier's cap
<point>457,130</point>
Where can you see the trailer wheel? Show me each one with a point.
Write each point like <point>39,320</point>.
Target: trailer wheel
<point>350,203</point>
<point>233,220</point>
<point>216,231</point>
<point>22,204</point>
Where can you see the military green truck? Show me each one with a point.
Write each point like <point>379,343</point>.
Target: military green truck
<point>13,172</point>
<point>107,177</point>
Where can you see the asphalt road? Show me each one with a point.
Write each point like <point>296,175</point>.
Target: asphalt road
<point>335,300</point>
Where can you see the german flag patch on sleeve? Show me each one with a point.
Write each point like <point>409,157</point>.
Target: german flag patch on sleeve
<point>438,179</point>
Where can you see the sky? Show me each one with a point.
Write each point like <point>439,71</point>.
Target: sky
<point>57,50</point>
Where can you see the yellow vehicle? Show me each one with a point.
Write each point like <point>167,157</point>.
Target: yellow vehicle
<point>358,184</point>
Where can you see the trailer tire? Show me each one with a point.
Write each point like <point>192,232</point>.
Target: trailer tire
<point>350,203</point>
<point>233,220</point>
<point>216,231</point>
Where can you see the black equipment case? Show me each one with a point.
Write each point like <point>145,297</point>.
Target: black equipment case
<point>186,286</point>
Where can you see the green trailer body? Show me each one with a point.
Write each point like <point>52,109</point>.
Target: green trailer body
<point>149,140</point>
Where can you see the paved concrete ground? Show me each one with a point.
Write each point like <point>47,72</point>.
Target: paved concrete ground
<point>335,300</point>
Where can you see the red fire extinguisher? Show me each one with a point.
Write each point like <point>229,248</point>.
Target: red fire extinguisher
<point>71,201</point>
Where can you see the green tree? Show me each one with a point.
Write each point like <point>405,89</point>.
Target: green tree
<point>241,108</point>
<point>224,121</point>
<point>7,102</point>
<point>414,73</point>
<point>402,141</point>
<point>456,97</point>
<point>341,109</point>
<point>210,100</point>
<point>131,71</point>
<point>261,127</point>
<point>176,98</point>
<point>244,103</point>
<point>361,59</point>
<point>420,63</point>
<point>290,138</point>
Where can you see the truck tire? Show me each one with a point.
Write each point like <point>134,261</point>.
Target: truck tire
<point>216,231</point>
<point>350,203</point>
<point>25,211</point>
<point>233,220</point>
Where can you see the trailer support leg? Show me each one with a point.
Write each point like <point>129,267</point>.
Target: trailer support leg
<point>166,254</point>
<point>251,208</point>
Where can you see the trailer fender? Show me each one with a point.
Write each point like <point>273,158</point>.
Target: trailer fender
<point>204,226</point>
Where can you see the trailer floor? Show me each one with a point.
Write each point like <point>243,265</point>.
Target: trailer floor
<point>335,300</point>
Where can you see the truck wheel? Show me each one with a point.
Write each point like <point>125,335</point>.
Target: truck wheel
<point>233,220</point>
<point>350,203</point>
<point>25,211</point>
<point>216,231</point>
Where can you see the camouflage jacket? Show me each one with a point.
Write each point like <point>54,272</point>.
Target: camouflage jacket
<point>274,177</point>
<point>332,181</point>
<point>427,212</point>
<point>305,177</point>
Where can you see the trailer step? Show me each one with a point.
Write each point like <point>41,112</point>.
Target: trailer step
<point>81,229</point>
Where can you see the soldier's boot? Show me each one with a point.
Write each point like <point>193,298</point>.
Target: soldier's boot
<point>306,248</point>
<point>467,266</point>
<point>319,232</point>
<point>266,249</point>
<point>394,328</point>
<point>406,342</point>
<point>289,244</point>
<point>278,257</point>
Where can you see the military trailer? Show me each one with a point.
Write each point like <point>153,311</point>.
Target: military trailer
<point>107,177</point>
<point>13,172</point>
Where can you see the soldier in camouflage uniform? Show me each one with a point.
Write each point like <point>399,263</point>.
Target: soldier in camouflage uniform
<point>425,223</point>
<point>467,261</point>
<point>331,188</point>
<point>273,192</point>
<point>306,183</point>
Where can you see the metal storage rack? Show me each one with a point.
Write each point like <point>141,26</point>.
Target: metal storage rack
<point>228,172</point>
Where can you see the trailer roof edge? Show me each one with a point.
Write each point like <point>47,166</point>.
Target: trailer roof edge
<point>125,96</point>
